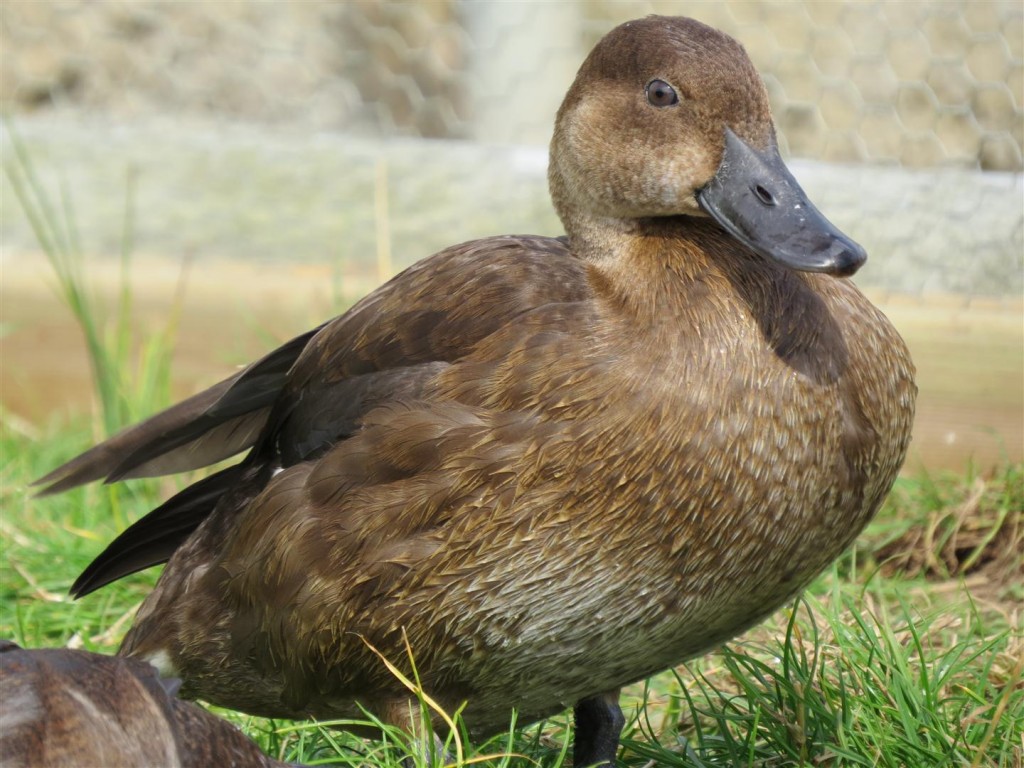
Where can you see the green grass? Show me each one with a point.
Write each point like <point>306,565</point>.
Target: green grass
<point>130,372</point>
<point>907,652</point>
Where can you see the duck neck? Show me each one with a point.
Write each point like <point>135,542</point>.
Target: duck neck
<point>602,240</point>
<point>643,267</point>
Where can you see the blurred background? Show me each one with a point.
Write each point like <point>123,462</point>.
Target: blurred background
<point>266,163</point>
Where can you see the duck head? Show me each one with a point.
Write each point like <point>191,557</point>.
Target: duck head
<point>669,117</point>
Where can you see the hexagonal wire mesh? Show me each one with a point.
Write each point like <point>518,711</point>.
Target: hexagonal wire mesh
<point>918,84</point>
<point>276,132</point>
<point>923,85</point>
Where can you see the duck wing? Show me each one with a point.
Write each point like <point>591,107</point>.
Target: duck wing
<point>396,340</point>
<point>311,393</point>
<point>201,430</point>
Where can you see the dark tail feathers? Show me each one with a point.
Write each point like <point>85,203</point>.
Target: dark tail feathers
<point>152,540</point>
<point>225,419</point>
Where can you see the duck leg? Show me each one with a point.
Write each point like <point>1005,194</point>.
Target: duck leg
<point>407,715</point>
<point>599,722</point>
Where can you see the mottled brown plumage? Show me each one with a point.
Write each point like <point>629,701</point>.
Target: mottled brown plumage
<point>60,707</point>
<point>555,466</point>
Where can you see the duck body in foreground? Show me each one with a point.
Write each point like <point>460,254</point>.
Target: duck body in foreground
<point>62,707</point>
<point>552,466</point>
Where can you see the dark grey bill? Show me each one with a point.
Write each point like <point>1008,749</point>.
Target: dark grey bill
<point>756,199</point>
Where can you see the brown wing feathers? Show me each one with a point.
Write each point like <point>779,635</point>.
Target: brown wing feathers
<point>313,391</point>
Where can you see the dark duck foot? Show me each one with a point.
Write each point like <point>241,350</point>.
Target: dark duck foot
<point>599,722</point>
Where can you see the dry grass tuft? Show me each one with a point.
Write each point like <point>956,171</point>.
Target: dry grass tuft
<point>974,529</point>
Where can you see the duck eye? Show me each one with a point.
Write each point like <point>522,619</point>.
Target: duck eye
<point>661,94</point>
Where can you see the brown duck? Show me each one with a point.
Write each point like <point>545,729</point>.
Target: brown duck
<point>62,707</point>
<point>556,466</point>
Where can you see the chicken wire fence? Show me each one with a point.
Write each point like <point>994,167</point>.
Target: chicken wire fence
<point>268,129</point>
